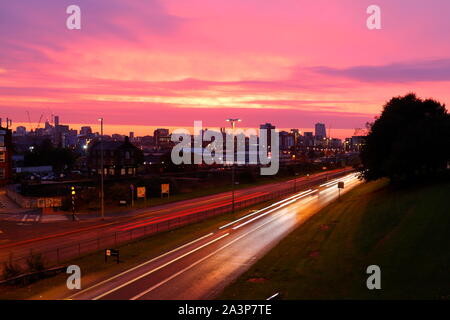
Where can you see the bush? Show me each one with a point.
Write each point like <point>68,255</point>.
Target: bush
<point>35,262</point>
<point>11,270</point>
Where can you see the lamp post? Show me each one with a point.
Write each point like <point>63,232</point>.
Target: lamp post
<point>102,186</point>
<point>233,126</point>
<point>295,182</point>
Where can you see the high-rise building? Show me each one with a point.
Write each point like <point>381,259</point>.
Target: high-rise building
<point>162,138</point>
<point>320,131</point>
<point>308,139</point>
<point>85,131</point>
<point>56,121</point>
<point>268,126</point>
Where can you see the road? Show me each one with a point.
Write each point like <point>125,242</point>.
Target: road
<point>201,268</point>
<point>86,233</point>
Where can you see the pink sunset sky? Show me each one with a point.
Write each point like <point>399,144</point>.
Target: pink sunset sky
<point>146,64</point>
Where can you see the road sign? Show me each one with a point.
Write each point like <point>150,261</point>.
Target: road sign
<point>111,253</point>
<point>141,192</point>
<point>165,189</point>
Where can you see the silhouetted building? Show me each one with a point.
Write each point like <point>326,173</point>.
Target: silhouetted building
<point>268,126</point>
<point>6,148</point>
<point>120,158</point>
<point>308,139</point>
<point>162,138</point>
<point>86,131</point>
<point>320,131</point>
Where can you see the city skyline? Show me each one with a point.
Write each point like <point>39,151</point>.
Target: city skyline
<point>139,63</point>
<point>148,130</point>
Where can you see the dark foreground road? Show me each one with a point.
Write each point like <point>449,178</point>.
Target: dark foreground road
<point>64,243</point>
<point>201,268</point>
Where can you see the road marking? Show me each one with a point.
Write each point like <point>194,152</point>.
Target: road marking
<point>140,265</point>
<point>260,210</point>
<point>310,192</point>
<point>160,267</point>
<point>200,261</point>
<point>273,296</point>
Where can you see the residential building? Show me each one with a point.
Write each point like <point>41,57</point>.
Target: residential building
<point>120,158</point>
<point>6,149</point>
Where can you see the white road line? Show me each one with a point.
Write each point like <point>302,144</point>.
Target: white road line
<point>274,209</point>
<point>140,265</point>
<point>273,296</point>
<point>160,267</point>
<point>260,210</point>
<point>201,260</point>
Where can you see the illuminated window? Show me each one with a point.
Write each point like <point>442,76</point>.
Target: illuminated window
<point>2,156</point>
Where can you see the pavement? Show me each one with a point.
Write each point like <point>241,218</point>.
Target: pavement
<point>203,267</point>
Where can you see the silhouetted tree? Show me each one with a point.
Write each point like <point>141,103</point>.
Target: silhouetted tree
<point>411,138</point>
<point>46,154</point>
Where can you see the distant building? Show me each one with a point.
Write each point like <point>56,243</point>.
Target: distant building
<point>308,139</point>
<point>21,131</point>
<point>120,158</point>
<point>268,126</point>
<point>117,137</point>
<point>320,131</point>
<point>357,142</point>
<point>86,131</point>
<point>6,148</point>
<point>287,140</point>
<point>162,138</point>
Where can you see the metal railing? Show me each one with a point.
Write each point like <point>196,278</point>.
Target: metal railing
<point>62,253</point>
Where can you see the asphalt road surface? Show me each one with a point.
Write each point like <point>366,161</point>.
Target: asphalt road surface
<point>50,241</point>
<point>201,268</point>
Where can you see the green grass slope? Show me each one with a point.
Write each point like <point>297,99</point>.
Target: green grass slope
<point>404,231</point>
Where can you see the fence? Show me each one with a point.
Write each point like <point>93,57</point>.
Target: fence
<point>63,253</point>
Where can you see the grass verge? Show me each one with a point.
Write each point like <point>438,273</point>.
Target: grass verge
<point>94,268</point>
<point>404,231</point>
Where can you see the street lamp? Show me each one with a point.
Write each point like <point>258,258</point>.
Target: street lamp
<point>102,192</point>
<point>233,123</point>
<point>233,126</point>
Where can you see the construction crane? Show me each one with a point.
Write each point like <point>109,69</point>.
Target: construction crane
<point>39,123</point>
<point>29,121</point>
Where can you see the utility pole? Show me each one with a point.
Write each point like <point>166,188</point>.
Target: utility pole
<point>73,192</point>
<point>233,126</point>
<point>102,192</point>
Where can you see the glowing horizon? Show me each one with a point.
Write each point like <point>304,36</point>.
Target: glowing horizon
<point>168,63</point>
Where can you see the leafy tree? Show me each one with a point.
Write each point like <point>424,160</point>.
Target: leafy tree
<point>411,138</point>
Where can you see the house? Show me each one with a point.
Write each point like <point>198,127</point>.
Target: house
<point>120,158</point>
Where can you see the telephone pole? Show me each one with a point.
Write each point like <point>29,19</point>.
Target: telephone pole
<point>233,173</point>
<point>102,185</point>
